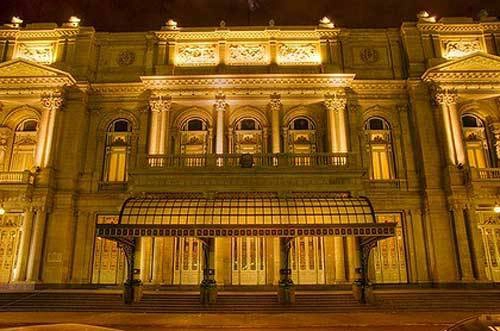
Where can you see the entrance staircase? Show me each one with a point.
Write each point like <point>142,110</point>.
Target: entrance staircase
<point>242,302</point>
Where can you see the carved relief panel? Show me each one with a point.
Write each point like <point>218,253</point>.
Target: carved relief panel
<point>303,53</point>
<point>455,48</point>
<point>247,54</point>
<point>41,53</point>
<point>197,55</point>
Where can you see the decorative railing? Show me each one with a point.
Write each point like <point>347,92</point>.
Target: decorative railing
<point>17,177</point>
<point>318,160</point>
<point>487,173</point>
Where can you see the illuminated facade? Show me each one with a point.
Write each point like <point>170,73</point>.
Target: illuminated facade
<point>409,118</point>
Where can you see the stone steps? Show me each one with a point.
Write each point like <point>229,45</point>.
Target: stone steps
<point>171,302</point>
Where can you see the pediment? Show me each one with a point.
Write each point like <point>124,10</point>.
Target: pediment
<point>474,62</point>
<point>24,68</point>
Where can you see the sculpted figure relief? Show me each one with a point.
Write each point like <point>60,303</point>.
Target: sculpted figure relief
<point>196,55</point>
<point>40,54</point>
<point>247,54</point>
<point>454,49</point>
<point>298,53</point>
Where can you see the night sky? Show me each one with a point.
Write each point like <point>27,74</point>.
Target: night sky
<point>143,15</point>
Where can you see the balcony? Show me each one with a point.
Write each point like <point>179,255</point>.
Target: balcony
<point>220,172</point>
<point>225,161</point>
<point>16,180</point>
<point>485,178</point>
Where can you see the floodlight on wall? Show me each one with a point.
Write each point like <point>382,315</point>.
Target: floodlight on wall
<point>74,21</point>
<point>16,21</point>
<point>496,209</point>
<point>2,211</point>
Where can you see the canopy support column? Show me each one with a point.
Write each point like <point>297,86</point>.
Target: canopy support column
<point>208,286</point>
<point>286,288</point>
<point>362,288</point>
<point>132,288</point>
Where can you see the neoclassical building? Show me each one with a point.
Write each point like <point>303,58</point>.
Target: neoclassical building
<point>195,146</point>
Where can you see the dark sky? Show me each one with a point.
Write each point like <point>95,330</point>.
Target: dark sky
<point>142,15</point>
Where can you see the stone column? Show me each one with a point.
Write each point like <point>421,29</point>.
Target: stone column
<point>464,251</point>
<point>275,107</point>
<point>446,99</point>
<point>51,104</point>
<point>335,107</point>
<point>337,132</point>
<point>158,135</point>
<point>35,253</point>
<point>220,106</point>
<point>145,259</point>
<point>158,254</point>
<point>23,253</point>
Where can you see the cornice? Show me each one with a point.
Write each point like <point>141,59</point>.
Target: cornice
<point>478,27</point>
<point>116,89</point>
<point>247,84</point>
<point>307,33</point>
<point>39,34</point>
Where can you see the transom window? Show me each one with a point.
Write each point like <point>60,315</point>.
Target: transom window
<point>194,124</point>
<point>28,126</point>
<point>248,124</point>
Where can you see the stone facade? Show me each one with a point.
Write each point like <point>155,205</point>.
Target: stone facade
<point>375,112</point>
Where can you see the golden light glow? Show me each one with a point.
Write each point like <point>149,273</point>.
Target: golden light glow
<point>2,211</point>
<point>496,209</point>
<point>16,21</point>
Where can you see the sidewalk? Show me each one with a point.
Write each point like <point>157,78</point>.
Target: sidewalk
<point>407,321</point>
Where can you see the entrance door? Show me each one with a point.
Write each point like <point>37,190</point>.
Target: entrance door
<point>188,261</point>
<point>9,245</point>
<point>248,261</point>
<point>307,260</point>
<point>491,241</point>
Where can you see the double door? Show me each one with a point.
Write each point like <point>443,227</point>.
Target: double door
<point>248,261</point>
<point>307,259</point>
<point>188,267</point>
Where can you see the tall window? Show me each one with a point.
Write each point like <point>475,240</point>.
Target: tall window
<point>302,140</point>
<point>117,151</point>
<point>194,142</point>
<point>379,146</point>
<point>23,151</point>
<point>476,142</point>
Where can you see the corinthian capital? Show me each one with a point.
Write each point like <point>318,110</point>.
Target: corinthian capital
<point>52,101</point>
<point>220,102</point>
<point>495,128</point>
<point>445,96</point>
<point>335,102</point>
<point>160,103</point>
<point>275,102</point>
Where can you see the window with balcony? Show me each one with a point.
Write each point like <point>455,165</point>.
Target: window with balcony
<point>380,149</point>
<point>194,142</point>
<point>247,137</point>
<point>117,151</point>
<point>302,140</point>
<point>24,147</point>
<point>475,141</point>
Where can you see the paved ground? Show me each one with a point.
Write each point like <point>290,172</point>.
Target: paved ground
<point>408,321</point>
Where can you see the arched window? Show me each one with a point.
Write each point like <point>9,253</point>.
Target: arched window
<point>194,141</point>
<point>247,137</point>
<point>379,147</point>
<point>476,142</point>
<point>117,151</point>
<point>301,136</point>
<point>24,148</point>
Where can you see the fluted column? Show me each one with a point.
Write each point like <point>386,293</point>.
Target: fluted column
<point>158,133</point>
<point>220,106</point>
<point>51,104</point>
<point>23,253</point>
<point>275,106</point>
<point>35,255</point>
<point>446,99</point>
<point>335,108</point>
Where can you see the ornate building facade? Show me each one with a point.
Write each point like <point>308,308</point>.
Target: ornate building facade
<point>408,118</point>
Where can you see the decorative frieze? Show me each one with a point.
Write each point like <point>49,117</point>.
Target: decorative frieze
<point>247,54</point>
<point>298,54</point>
<point>453,49</point>
<point>197,55</point>
<point>36,53</point>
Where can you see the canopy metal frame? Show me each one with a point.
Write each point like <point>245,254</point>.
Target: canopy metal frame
<point>225,215</point>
